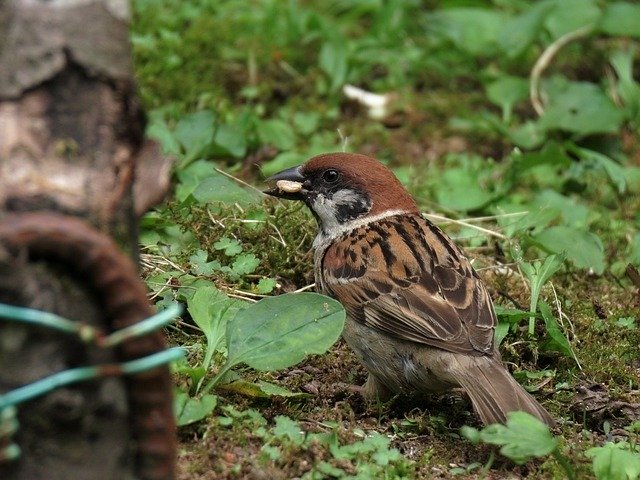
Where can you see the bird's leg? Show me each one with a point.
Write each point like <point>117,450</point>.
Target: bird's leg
<point>374,390</point>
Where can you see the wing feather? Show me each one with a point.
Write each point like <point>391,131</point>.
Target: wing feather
<point>404,276</point>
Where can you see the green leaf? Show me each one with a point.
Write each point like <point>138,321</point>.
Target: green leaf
<point>289,429</point>
<point>538,273</point>
<point>201,265</point>
<point>529,135</point>
<point>306,122</point>
<point>189,410</point>
<point>506,318</point>
<point>473,30</point>
<point>522,30</point>
<point>190,177</point>
<point>523,437</point>
<point>628,89</point>
<point>159,130</point>
<point>621,19</point>
<point>612,462</point>
<point>557,340</point>
<point>261,389</point>
<point>506,92</point>
<point>570,15</point>
<point>229,140</point>
<point>277,133</point>
<point>584,249</point>
<point>282,161</point>
<point>195,132</point>
<point>580,107</point>
<point>471,434</point>
<point>278,332</point>
<point>220,188</point>
<point>245,264</point>
<point>459,190</point>
<point>230,246</point>
<point>211,310</point>
<point>266,285</point>
<point>616,172</point>
<point>573,214</point>
<point>333,62</point>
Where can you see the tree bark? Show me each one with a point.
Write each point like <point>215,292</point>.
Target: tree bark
<point>71,144</point>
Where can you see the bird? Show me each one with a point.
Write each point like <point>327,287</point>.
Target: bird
<point>419,318</point>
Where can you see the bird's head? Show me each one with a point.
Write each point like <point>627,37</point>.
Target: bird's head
<point>343,190</point>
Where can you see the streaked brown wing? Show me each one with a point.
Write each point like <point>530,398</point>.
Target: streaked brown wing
<point>404,276</point>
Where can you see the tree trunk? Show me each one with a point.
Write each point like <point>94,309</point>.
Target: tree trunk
<point>75,170</point>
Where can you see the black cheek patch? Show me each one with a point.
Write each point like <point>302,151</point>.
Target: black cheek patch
<point>352,210</point>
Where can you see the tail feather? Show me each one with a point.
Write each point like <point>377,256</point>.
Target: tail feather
<point>494,392</point>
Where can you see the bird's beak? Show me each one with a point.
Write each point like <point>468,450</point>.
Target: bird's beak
<point>286,184</point>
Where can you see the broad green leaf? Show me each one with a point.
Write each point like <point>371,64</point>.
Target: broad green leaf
<point>229,140</point>
<point>194,132</point>
<point>570,15</point>
<point>277,133</point>
<point>515,219</point>
<point>278,332</point>
<point>506,92</point>
<point>573,214</point>
<point>522,30</point>
<point>333,62</point>
<point>523,437</point>
<point>306,122</point>
<point>191,176</point>
<point>459,190</point>
<point>282,161</point>
<point>159,130</point>
<point>580,107</point>
<point>502,329</point>
<point>613,462</point>
<point>211,310</point>
<point>191,409</point>
<point>473,30</point>
<point>552,154</point>
<point>584,249</point>
<point>220,188</point>
<point>614,170</point>
<point>621,19</point>
<point>557,340</point>
<point>528,135</point>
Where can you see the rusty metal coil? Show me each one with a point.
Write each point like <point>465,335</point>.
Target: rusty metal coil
<point>96,259</point>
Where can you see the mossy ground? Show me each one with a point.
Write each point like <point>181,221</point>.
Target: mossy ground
<point>204,66</point>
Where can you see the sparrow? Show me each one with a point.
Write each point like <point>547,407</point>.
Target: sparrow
<point>418,316</point>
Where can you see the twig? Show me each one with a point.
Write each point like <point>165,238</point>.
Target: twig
<point>307,287</point>
<point>545,59</point>
<point>466,224</point>
<point>561,315</point>
<point>242,182</point>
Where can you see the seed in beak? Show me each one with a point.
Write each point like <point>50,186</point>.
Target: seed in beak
<point>287,186</point>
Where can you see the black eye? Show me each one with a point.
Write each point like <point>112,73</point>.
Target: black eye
<point>330,176</point>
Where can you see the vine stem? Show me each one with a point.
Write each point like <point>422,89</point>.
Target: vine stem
<point>545,59</point>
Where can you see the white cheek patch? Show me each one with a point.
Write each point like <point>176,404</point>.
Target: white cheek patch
<point>326,211</point>
<point>332,210</point>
